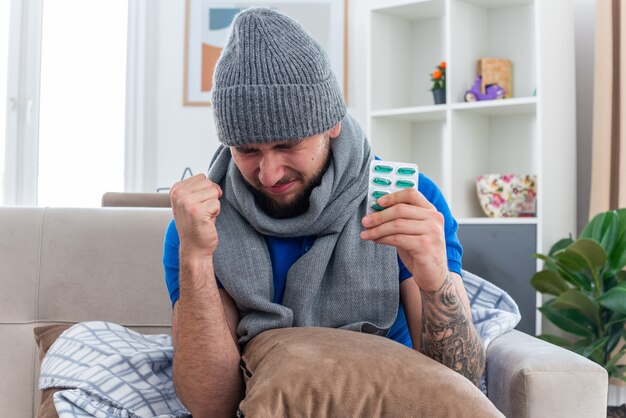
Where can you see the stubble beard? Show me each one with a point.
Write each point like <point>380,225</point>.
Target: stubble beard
<point>299,205</point>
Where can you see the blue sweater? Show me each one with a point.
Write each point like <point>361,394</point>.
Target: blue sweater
<point>285,251</point>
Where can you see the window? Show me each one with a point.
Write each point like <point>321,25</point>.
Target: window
<point>82,101</point>
<point>64,87</point>
<point>5,7</point>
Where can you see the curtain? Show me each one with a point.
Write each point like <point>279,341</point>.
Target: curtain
<point>608,169</point>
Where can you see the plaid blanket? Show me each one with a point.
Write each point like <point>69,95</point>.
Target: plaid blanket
<point>112,371</point>
<point>494,312</point>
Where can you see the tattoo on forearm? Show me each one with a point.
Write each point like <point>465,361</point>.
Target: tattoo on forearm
<point>448,335</point>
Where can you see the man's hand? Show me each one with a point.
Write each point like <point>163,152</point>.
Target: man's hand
<point>206,355</point>
<point>415,227</point>
<point>195,203</point>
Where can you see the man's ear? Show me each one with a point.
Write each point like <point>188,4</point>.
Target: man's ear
<point>335,130</point>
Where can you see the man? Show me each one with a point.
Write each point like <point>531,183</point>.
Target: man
<point>286,200</point>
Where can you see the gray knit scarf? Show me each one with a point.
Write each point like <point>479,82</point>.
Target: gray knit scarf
<point>342,282</point>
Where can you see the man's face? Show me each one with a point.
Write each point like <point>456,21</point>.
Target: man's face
<point>282,175</point>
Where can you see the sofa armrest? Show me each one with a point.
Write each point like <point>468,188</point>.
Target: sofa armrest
<point>528,377</point>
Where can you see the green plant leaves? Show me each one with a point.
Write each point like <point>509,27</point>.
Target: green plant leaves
<point>581,280</point>
<point>553,339</point>
<point>560,245</point>
<point>581,263</point>
<point>617,258</point>
<point>615,299</point>
<point>617,371</point>
<point>603,229</point>
<point>568,320</point>
<point>578,280</point>
<point>611,363</point>
<point>549,282</point>
<point>609,230</point>
<point>549,262</point>
<point>580,345</point>
<point>614,333</point>
<point>588,280</point>
<point>617,318</point>
<point>595,350</point>
<point>583,254</point>
<point>575,300</point>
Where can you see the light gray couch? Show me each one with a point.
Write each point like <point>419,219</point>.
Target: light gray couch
<point>70,265</point>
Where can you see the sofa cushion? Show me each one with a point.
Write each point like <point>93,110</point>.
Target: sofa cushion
<point>45,336</point>
<point>313,371</point>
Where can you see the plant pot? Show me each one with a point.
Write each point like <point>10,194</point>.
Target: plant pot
<point>616,395</point>
<point>439,96</point>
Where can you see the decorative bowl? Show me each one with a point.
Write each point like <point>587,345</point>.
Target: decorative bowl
<point>507,195</point>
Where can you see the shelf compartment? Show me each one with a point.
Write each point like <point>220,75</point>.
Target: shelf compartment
<point>484,144</point>
<point>412,10</point>
<point>407,42</point>
<point>503,254</point>
<point>515,106</point>
<point>415,114</point>
<point>497,221</point>
<point>497,4</point>
<point>495,29</point>
<point>419,142</point>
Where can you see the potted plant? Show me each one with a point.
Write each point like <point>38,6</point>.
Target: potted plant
<point>438,77</point>
<point>586,276</point>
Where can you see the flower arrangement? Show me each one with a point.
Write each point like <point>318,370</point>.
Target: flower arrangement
<point>438,77</point>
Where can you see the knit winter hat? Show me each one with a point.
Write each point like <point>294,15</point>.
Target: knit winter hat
<point>273,82</point>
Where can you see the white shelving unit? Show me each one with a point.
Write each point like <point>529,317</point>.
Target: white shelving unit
<point>531,133</point>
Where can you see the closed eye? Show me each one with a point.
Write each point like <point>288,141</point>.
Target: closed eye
<point>282,146</point>
<point>289,145</point>
<point>245,150</point>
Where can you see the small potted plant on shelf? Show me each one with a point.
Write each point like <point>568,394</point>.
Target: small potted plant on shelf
<point>586,276</point>
<point>438,77</point>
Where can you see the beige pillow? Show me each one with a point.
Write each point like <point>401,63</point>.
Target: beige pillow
<point>324,372</point>
<point>45,336</point>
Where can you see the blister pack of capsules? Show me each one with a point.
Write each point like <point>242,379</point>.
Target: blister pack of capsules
<point>386,177</point>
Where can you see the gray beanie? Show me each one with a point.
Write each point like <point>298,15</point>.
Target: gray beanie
<point>273,82</point>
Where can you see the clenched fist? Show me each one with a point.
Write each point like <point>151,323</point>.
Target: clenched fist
<point>195,203</point>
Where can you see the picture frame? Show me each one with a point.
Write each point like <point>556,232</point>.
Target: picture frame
<point>208,24</point>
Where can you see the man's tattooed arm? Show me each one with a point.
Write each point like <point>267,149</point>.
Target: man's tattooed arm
<point>448,335</point>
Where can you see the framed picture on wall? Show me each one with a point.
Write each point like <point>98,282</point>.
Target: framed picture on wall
<point>208,24</point>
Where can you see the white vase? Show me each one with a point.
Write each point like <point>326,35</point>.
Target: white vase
<point>617,395</point>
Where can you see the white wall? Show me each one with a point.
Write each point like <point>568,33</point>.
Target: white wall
<point>584,19</point>
<point>177,136</point>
